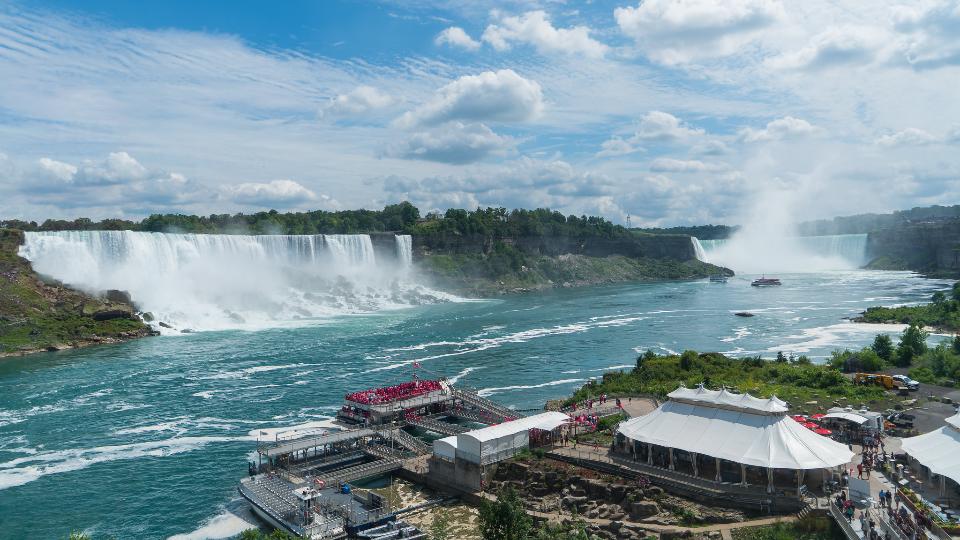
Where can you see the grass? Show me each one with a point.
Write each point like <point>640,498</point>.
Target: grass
<point>807,529</point>
<point>795,383</point>
<point>35,315</point>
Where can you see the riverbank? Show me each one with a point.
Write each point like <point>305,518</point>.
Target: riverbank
<point>38,315</point>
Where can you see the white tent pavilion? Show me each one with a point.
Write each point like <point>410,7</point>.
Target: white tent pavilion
<point>938,450</point>
<point>730,427</point>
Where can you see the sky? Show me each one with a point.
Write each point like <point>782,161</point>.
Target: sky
<point>652,113</point>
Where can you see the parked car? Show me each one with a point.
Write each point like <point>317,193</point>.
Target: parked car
<point>907,382</point>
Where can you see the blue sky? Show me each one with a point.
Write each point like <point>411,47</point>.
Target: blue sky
<point>667,111</point>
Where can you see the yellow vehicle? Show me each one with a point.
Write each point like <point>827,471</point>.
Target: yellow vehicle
<point>885,381</point>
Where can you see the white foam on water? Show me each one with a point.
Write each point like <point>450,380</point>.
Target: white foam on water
<point>171,425</point>
<point>24,470</point>
<point>462,374</point>
<point>224,525</point>
<point>738,334</point>
<point>498,390</point>
<point>836,335</point>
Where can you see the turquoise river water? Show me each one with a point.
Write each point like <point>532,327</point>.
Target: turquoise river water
<point>148,439</point>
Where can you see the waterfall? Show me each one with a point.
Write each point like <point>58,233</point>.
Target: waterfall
<point>698,249</point>
<point>219,281</point>
<point>790,254</point>
<point>404,248</point>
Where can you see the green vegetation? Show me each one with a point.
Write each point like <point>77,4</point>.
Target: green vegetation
<point>440,528</point>
<point>703,232</point>
<point>499,223</point>
<point>942,312</point>
<point>505,518</point>
<point>35,315</point>
<point>808,529</point>
<point>506,268</point>
<point>794,380</point>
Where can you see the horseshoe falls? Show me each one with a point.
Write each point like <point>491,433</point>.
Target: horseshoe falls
<point>748,253</point>
<point>217,281</point>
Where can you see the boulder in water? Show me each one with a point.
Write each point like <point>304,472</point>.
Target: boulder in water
<point>164,325</point>
<point>743,314</point>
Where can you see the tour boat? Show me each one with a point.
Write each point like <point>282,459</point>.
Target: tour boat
<point>765,282</point>
<point>718,278</point>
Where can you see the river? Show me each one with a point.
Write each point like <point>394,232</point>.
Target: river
<point>148,439</point>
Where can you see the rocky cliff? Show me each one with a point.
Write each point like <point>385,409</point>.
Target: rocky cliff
<point>481,265</point>
<point>676,247</point>
<point>38,314</point>
<point>932,248</point>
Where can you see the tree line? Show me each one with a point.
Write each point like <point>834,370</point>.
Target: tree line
<point>402,217</point>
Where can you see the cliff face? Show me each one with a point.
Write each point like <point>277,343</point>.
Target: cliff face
<point>41,315</point>
<point>478,265</point>
<point>932,248</point>
<point>679,248</point>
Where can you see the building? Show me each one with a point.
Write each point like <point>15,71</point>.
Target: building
<point>736,442</point>
<point>938,452</point>
<point>462,459</point>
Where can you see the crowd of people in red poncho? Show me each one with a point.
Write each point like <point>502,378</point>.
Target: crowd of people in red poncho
<point>375,396</point>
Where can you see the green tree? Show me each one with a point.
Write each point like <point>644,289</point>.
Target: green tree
<point>913,343</point>
<point>939,298</point>
<point>505,518</point>
<point>688,359</point>
<point>440,528</point>
<point>645,357</point>
<point>883,346</point>
<point>956,344</point>
<point>781,358</point>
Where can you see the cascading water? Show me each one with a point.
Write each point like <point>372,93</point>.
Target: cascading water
<point>788,254</point>
<point>404,249</point>
<point>698,249</point>
<point>215,281</point>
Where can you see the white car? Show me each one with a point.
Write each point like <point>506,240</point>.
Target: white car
<point>909,383</point>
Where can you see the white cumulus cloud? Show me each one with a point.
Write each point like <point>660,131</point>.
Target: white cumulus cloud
<point>275,192</point>
<point>659,125</point>
<point>500,96</point>
<point>360,100</point>
<point>835,46</point>
<point>679,31</point>
<point>455,36</point>
<point>534,28</point>
<point>907,137</point>
<point>684,166</point>
<point>454,142</point>
<point>787,127</point>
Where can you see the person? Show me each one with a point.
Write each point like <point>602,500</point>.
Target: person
<point>882,498</point>
<point>860,470</point>
<point>889,499</point>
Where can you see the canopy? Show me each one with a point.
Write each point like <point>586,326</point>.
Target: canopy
<point>728,400</point>
<point>939,450</point>
<point>748,436</point>
<point>494,443</point>
<point>445,448</point>
<point>852,417</point>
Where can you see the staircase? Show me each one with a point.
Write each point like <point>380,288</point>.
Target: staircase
<point>437,426</point>
<point>364,470</point>
<point>408,441</point>
<point>484,404</point>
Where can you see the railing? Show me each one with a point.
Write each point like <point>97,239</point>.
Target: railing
<point>845,525</point>
<point>406,440</point>
<point>444,428</point>
<point>365,470</point>
<point>472,397</point>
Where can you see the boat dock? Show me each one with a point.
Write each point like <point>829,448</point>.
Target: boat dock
<point>301,483</point>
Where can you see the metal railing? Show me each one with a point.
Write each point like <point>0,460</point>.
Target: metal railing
<point>472,397</point>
